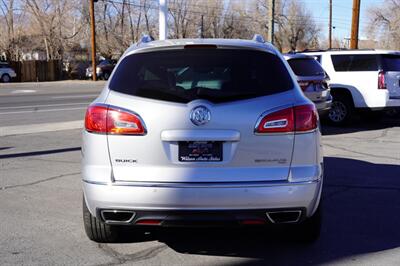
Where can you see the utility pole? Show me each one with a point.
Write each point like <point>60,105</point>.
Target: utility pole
<point>93,38</point>
<point>330,24</point>
<point>355,24</point>
<point>271,21</point>
<point>162,17</point>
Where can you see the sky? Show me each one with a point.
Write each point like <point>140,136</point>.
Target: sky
<point>341,15</point>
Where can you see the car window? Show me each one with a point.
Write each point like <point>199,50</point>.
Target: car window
<point>306,67</point>
<point>391,62</point>
<point>218,75</point>
<point>355,62</point>
<point>104,62</point>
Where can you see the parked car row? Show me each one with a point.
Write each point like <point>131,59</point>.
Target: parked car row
<point>219,132</point>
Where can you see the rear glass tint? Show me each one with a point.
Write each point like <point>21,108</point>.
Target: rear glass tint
<point>306,67</point>
<point>218,75</point>
<point>391,62</point>
<point>355,62</point>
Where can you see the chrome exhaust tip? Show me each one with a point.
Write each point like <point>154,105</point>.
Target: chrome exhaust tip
<point>284,217</point>
<point>117,216</point>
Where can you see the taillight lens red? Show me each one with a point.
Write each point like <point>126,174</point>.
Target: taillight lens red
<point>300,118</point>
<point>111,120</point>
<point>306,118</point>
<point>381,80</point>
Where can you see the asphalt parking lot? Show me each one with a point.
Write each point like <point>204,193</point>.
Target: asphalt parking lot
<point>41,198</point>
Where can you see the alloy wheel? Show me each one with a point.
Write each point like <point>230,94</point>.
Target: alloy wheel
<point>338,112</point>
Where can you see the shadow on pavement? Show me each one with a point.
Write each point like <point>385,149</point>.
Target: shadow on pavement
<point>360,125</point>
<point>38,153</point>
<point>361,207</point>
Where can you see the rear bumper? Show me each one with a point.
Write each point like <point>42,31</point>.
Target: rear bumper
<point>323,107</point>
<point>200,198</point>
<point>393,102</point>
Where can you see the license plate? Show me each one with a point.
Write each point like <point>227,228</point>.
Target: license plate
<point>200,151</point>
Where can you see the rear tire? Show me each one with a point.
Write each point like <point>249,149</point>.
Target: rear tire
<point>341,111</point>
<point>98,231</point>
<point>5,78</point>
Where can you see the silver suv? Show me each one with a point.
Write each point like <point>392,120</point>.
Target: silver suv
<point>313,80</point>
<point>201,132</point>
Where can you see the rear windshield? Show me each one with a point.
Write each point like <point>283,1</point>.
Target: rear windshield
<point>306,67</point>
<point>217,75</point>
<point>355,62</point>
<point>391,62</point>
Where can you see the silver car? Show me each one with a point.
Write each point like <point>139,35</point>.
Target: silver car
<point>201,132</point>
<point>313,80</point>
<point>6,72</point>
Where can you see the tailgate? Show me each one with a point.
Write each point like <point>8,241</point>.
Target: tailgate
<point>240,155</point>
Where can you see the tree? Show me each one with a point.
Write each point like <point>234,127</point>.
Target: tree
<point>384,24</point>
<point>50,25</point>
<point>11,32</point>
<point>296,27</point>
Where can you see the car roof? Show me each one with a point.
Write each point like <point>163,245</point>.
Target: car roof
<point>180,43</point>
<point>297,56</point>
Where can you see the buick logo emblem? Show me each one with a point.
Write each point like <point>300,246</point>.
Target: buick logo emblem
<point>200,115</point>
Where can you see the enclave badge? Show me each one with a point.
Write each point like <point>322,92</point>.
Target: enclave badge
<point>200,115</point>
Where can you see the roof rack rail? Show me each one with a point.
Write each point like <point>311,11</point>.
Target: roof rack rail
<point>258,38</point>
<point>146,38</point>
<point>334,49</point>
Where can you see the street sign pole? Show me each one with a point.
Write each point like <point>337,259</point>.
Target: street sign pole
<point>93,39</point>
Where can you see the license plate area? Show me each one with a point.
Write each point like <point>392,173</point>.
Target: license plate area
<point>200,151</point>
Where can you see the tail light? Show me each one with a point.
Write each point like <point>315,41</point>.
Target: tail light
<point>111,120</point>
<point>381,80</point>
<point>299,119</point>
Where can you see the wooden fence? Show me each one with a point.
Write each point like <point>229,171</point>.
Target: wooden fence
<point>34,70</point>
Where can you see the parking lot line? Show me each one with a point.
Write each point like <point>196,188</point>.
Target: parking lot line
<point>44,105</point>
<point>42,111</point>
<point>38,128</point>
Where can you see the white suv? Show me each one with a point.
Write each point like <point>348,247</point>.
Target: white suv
<point>361,80</point>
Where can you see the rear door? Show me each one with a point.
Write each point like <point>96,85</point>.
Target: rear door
<point>391,68</point>
<point>357,70</point>
<point>200,108</point>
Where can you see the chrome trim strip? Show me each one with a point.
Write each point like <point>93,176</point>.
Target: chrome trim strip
<point>289,222</point>
<point>116,211</point>
<point>203,185</point>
